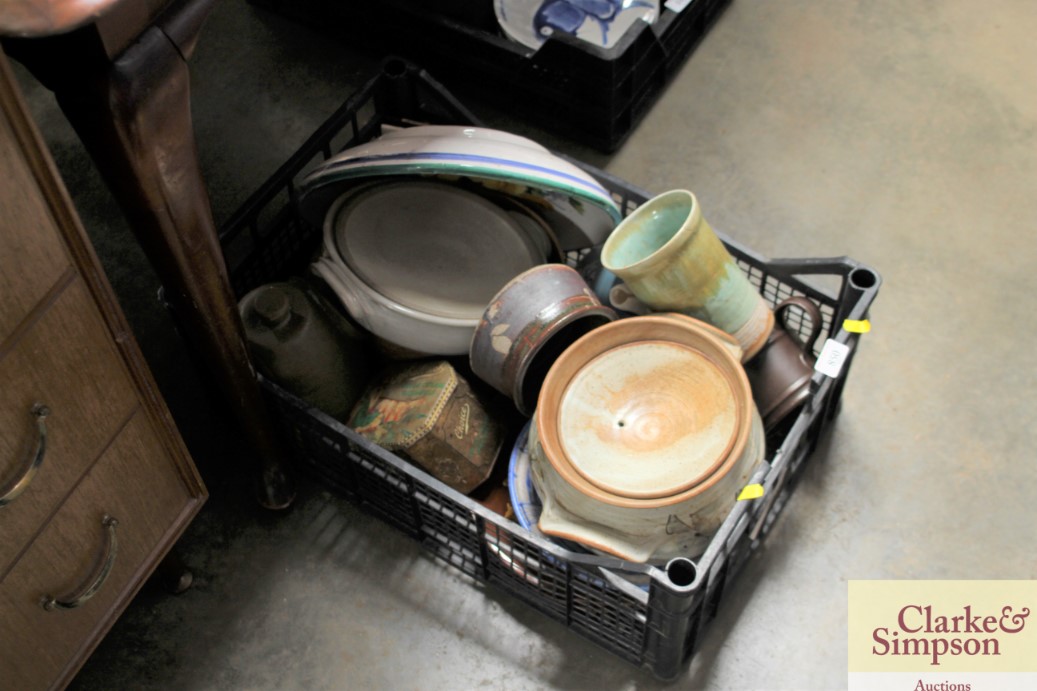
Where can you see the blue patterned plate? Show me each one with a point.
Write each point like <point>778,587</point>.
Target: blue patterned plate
<point>524,499</point>
<point>598,22</point>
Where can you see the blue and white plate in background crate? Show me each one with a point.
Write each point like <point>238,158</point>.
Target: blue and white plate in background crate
<point>598,22</point>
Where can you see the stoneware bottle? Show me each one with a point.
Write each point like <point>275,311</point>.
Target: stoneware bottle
<point>298,341</point>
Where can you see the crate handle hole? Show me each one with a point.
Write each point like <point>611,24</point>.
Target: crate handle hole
<point>394,68</point>
<point>681,572</point>
<point>863,279</point>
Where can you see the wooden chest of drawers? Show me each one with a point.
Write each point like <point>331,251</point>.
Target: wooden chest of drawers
<point>95,482</point>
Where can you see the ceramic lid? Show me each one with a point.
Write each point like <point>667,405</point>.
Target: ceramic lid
<point>648,419</point>
<point>432,247</point>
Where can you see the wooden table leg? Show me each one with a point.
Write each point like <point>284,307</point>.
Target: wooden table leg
<point>133,115</point>
<point>172,574</point>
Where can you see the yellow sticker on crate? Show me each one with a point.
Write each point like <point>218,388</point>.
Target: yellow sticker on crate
<point>750,492</point>
<point>857,326</point>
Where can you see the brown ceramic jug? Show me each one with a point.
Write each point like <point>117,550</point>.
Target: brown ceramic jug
<point>780,373</point>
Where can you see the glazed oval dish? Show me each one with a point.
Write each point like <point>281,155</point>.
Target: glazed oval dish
<point>415,262</point>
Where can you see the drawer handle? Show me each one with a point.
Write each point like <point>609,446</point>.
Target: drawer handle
<point>77,598</point>
<point>10,491</point>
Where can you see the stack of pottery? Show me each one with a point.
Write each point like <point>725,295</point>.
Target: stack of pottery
<point>645,430</point>
<point>664,256</point>
<point>423,225</point>
<point>443,241</point>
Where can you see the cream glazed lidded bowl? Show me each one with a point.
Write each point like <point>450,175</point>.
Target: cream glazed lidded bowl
<point>645,432</point>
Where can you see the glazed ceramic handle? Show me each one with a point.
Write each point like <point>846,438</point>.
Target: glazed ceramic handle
<point>812,311</point>
<point>324,267</point>
<point>94,583</point>
<point>15,487</point>
<point>557,521</point>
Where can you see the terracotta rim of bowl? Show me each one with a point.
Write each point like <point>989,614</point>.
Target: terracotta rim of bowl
<point>633,330</point>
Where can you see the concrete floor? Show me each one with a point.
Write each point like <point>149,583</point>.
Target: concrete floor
<point>901,134</point>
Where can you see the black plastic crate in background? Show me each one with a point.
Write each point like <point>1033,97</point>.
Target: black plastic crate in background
<point>584,92</point>
<point>659,627</point>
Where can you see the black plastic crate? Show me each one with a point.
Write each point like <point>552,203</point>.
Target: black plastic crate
<point>587,93</point>
<point>658,627</point>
